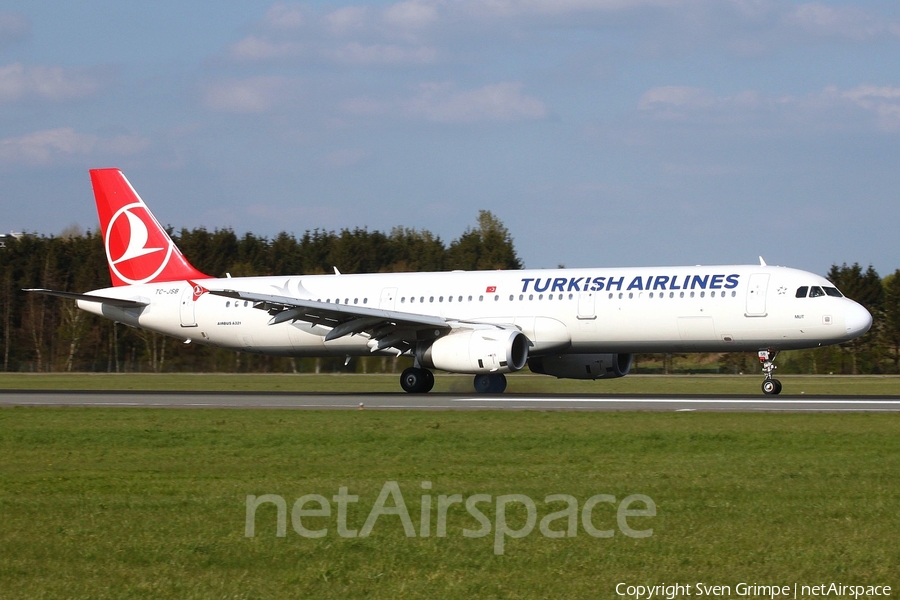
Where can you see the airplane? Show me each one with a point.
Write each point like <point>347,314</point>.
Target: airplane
<point>567,323</point>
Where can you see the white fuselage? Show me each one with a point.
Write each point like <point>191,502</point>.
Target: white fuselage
<point>653,309</point>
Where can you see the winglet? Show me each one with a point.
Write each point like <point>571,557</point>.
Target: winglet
<point>762,263</point>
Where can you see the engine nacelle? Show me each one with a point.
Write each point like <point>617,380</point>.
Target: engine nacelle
<point>488,350</point>
<point>582,366</point>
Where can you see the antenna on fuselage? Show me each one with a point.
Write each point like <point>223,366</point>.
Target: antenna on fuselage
<point>762,263</point>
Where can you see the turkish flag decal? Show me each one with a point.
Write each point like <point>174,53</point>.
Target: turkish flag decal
<point>490,289</point>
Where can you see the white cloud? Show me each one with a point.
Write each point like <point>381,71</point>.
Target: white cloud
<point>496,102</point>
<point>674,96</point>
<point>846,22</point>
<point>347,19</point>
<point>345,157</point>
<point>507,8</point>
<point>13,28</point>
<point>43,147</point>
<point>411,14</point>
<point>883,101</point>
<point>257,48</point>
<point>285,16</point>
<point>829,109</point>
<point>253,95</point>
<point>18,82</point>
<point>381,54</point>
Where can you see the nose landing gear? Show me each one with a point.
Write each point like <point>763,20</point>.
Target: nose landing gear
<point>770,385</point>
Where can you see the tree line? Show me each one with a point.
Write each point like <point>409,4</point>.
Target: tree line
<point>41,334</point>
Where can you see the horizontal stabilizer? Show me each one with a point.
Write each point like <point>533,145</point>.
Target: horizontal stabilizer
<point>102,299</point>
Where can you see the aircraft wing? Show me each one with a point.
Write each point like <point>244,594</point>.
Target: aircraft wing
<point>388,328</point>
<point>90,298</point>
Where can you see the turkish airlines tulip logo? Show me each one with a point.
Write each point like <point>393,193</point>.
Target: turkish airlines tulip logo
<point>136,246</point>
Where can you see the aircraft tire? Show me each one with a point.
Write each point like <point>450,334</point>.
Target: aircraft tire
<point>493,383</point>
<point>427,381</point>
<point>771,387</point>
<point>415,381</point>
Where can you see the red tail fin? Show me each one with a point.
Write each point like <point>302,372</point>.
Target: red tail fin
<point>138,249</point>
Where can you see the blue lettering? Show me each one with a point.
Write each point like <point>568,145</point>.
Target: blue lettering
<point>598,284</point>
<point>559,284</point>
<point>672,285</point>
<point>732,282</point>
<point>699,280</point>
<point>537,285</point>
<point>525,282</point>
<point>615,282</point>
<point>716,283</point>
<point>636,284</point>
<point>660,283</point>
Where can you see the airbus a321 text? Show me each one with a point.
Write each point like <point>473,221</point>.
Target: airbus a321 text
<point>568,323</point>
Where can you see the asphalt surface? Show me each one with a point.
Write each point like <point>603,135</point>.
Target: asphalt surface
<point>452,401</point>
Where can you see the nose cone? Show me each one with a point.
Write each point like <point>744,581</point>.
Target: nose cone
<point>857,319</point>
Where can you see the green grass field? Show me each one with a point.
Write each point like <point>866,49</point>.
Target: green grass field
<point>518,383</point>
<point>148,503</point>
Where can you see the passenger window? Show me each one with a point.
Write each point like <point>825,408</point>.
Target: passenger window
<point>815,292</point>
<point>801,291</point>
<point>833,292</point>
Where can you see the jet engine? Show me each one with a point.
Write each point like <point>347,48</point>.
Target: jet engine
<point>488,350</point>
<point>582,366</point>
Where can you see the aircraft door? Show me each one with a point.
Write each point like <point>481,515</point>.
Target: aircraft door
<point>756,295</point>
<point>586,305</point>
<point>388,296</point>
<point>187,308</point>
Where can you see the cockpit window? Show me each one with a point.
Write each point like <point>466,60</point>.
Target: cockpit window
<point>801,291</point>
<point>815,292</point>
<point>833,292</point>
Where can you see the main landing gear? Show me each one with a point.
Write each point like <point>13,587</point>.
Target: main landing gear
<point>417,380</point>
<point>490,383</point>
<point>770,385</point>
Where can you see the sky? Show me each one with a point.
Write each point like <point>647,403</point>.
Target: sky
<point>600,132</point>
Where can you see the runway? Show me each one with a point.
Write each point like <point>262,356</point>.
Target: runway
<point>451,401</point>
